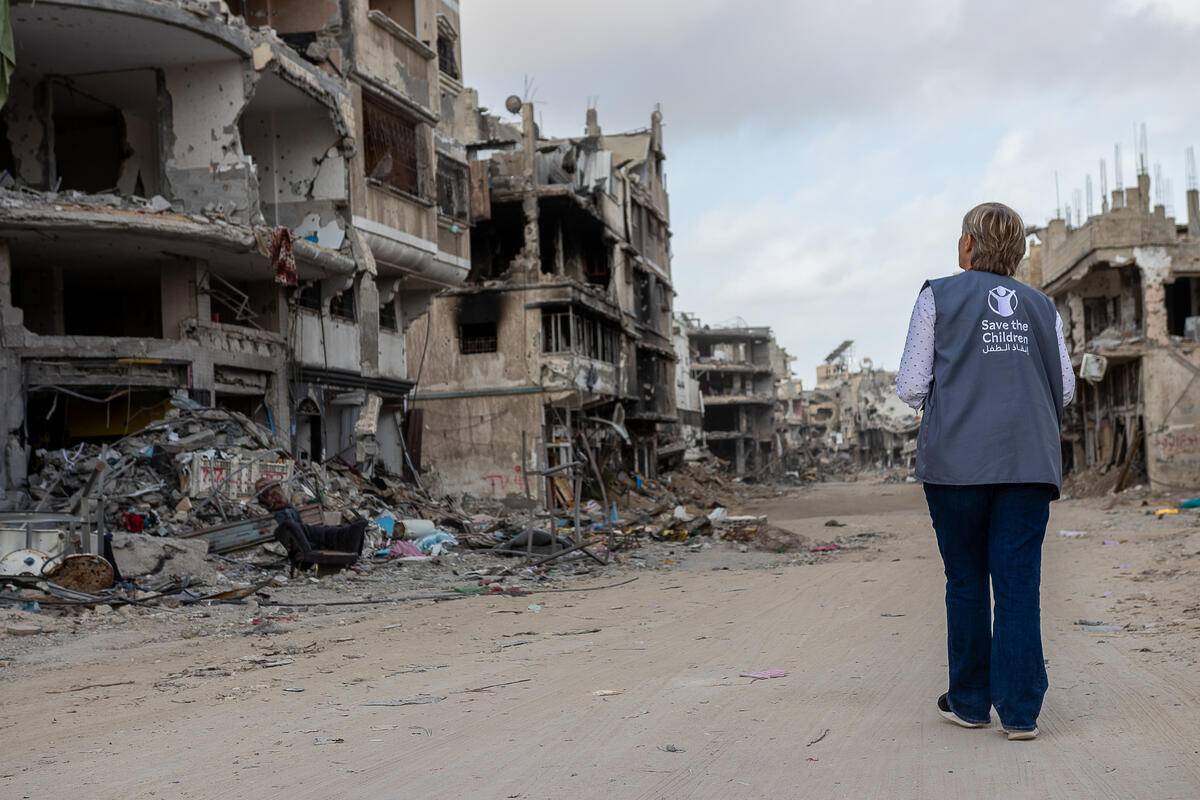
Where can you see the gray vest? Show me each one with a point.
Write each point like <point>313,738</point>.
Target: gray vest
<point>994,411</point>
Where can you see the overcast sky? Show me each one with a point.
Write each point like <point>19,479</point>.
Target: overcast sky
<point>820,155</point>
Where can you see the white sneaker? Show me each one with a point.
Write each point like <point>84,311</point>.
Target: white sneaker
<point>1021,736</point>
<point>943,705</point>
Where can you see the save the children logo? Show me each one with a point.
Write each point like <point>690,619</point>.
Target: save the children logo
<point>1003,301</point>
<point>1009,336</point>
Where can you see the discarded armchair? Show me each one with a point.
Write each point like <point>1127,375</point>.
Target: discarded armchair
<point>320,545</point>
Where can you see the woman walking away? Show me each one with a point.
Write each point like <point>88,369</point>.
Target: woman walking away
<point>986,361</point>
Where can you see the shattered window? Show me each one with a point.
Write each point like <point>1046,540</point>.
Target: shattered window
<point>388,320</point>
<point>447,60</point>
<point>568,330</point>
<point>452,188</point>
<point>478,337</point>
<point>393,149</point>
<point>556,331</point>
<point>341,305</point>
<point>310,296</point>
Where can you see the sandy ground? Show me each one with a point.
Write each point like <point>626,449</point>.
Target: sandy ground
<point>634,691</point>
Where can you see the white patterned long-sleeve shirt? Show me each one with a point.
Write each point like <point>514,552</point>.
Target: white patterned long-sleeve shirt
<point>916,366</point>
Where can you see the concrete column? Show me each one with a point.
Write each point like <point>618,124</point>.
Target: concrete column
<point>531,253</point>
<point>366,298</point>
<point>366,303</point>
<point>5,277</point>
<point>15,452</point>
<point>54,300</point>
<point>1193,212</point>
<point>179,284</point>
<point>1154,309</point>
<point>1077,330</point>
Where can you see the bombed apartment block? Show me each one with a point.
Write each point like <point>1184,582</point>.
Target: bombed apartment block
<point>245,203</point>
<point>562,336</point>
<point>853,419</point>
<point>737,378</point>
<point>1127,285</point>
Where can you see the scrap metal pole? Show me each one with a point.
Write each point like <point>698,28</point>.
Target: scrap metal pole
<point>525,463</point>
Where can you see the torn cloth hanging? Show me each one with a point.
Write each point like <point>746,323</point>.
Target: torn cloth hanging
<point>283,261</point>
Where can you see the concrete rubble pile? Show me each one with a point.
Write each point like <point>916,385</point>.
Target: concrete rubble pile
<point>170,493</point>
<point>194,468</point>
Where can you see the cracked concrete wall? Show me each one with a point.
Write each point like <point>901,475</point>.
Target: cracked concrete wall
<point>204,165</point>
<point>25,115</point>
<point>1155,266</point>
<point>143,163</point>
<point>1172,417</point>
<point>398,59</point>
<point>301,172</point>
<point>293,16</point>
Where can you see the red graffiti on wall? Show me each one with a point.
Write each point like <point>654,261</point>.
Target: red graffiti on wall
<point>1174,444</point>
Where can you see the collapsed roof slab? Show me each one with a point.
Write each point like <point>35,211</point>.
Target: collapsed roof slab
<point>64,37</point>
<point>45,226</point>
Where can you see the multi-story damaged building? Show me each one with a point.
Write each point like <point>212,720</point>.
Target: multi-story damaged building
<point>244,202</point>
<point>564,326</point>
<point>854,417</point>
<point>791,421</point>
<point>1127,285</point>
<point>689,405</point>
<point>737,385</point>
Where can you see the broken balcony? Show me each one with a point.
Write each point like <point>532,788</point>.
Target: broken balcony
<point>297,155</point>
<point>580,349</point>
<point>109,327</point>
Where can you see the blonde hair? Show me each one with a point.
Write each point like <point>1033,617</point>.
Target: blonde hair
<point>999,238</point>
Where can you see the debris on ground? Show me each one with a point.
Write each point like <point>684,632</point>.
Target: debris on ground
<point>176,517</point>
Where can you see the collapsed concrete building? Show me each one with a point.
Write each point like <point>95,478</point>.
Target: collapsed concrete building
<point>735,370</point>
<point>689,404</point>
<point>1127,285</point>
<point>853,417</point>
<point>563,328</point>
<point>791,422</point>
<point>246,203</point>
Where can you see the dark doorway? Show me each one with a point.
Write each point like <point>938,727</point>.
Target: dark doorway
<point>89,137</point>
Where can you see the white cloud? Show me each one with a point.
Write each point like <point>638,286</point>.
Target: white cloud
<point>1185,11</point>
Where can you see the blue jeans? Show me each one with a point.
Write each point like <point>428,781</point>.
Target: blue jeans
<point>993,531</point>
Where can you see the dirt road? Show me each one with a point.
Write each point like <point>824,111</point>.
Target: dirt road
<point>634,692</point>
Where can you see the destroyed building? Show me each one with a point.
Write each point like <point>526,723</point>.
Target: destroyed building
<point>733,365</point>
<point>689,405</point>
<point>564,325</point>
<point>854,418</point>
<point>1127,285</point>
<point>791,421</point>
<point>246,203</point>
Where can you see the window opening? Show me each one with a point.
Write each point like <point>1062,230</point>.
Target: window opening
<point>341,305</point>
<point>452,188</point>
<point>310,297</point>
<point>388,319</point>
<point>478,337</point>
<point>392,148</point>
